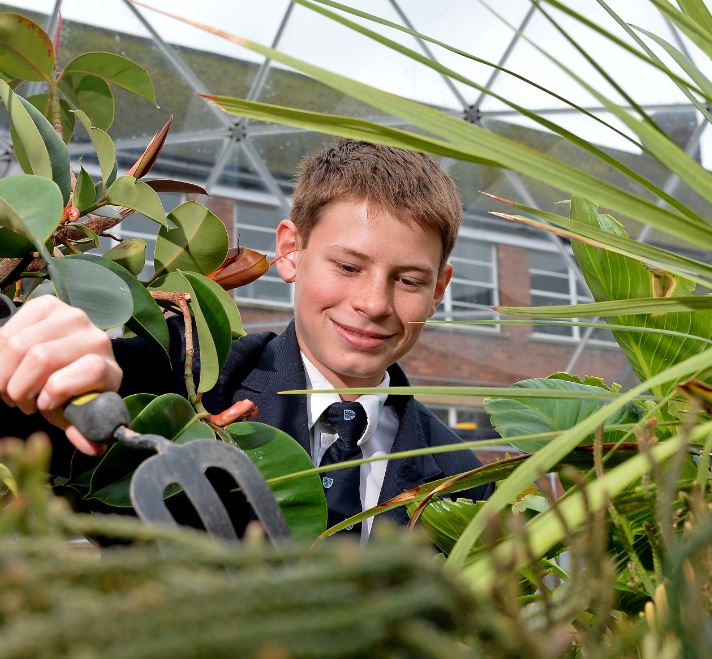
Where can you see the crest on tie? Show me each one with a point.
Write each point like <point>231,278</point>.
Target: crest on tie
<point>349,415</point>
<point>327,482</point>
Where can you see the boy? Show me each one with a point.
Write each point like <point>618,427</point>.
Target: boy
<point>366,247</point>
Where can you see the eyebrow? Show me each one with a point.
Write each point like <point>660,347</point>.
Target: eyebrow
<point>414,267</point>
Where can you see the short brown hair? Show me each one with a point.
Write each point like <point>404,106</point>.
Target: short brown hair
<point>408,184</point>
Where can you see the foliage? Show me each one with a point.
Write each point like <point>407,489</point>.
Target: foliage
<point>51,220</point>
<point>656,496</point>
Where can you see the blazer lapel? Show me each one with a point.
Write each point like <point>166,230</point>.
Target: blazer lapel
<point>278,369</point>
<point>406,473</point>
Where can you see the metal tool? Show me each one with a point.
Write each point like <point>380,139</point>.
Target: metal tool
<point>103,417</point>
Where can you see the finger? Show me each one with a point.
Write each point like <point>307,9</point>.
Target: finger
<point>36,324</point>
<point>56,417</point>
<point>46,364</point>
<point>87,374</point>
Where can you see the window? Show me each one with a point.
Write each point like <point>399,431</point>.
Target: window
<point>473,288</point>
<point>255,227</point>
<point>552,282</point>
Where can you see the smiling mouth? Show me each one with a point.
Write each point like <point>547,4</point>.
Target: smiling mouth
<point>361,338</point>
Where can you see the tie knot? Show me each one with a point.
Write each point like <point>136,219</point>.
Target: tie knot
<point>349,420</point>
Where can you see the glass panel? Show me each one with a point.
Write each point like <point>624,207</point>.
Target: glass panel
<point>116,29</point>
<point>238,172</point>
<point>646,84</point>
<point>282,153</point>
<point>550,261</point>
<point>262,216</point>
<point>470,248</point>
<point>468,270</point>
<point>549,283</point>
<point>465,292</point>
<point>266,288</point>
<point>324,42</point>
<point>262,241</point>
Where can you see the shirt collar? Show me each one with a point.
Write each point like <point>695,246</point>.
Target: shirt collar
<point>317,403</point>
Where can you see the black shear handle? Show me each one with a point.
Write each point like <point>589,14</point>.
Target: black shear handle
<point>7,308</point>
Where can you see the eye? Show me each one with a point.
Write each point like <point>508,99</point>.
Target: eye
<point>346,267</point>
<point>408,282</point>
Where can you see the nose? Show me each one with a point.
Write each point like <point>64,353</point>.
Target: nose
<point>374,297</point>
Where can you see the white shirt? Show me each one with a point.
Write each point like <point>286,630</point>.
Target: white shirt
<point>377,440</point>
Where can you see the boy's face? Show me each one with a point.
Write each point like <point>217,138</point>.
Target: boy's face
<point>361,279</point>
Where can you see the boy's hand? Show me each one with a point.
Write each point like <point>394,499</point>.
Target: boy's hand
<point>51,352</point>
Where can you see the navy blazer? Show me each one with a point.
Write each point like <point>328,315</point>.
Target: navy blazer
<point>262,364</point>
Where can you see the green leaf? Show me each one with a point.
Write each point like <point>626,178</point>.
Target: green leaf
<point>513,417</point>
<point>114,69</point>
<point>169,415</point>
<point>211,322</point>
<point>613,277</point>
<point>615,308</point>
<point>226,300</point>
<point>31,206</point>
<point>56,148</point>
<point>546,530</point>
<point>90,286</point>
<point>30,148</point>
<point>541,461</point>
<point>197,240</point>
<point>93,96</point>
<point>127,191</point>
<point>104,147</point>
<point>85,192</point>
<point>84,244</point>
<point>129,254</point>
<point>445,520</point>
<point>12,245</point>
<point>26,51</point>
<point>147,319</point>
<point>275,454</point>
<point>66,116</point>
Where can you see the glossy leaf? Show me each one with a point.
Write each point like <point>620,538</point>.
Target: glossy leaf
<point>194,239</point>
<point>104,147</point>
<point>275,453</point>
<point>30,149</point>
<point>66,116</point>
<point>127,191</point>
<point>169,415</point>
<point>129,254</point>
<point>512,417</point>
<point>56,148</point>
<point>115,69</point>
<point>241,266</point>
<point>227,302</point>
<point>143,165</point>
<point>445,520</point>
<point>211,321</point>
<point>545,458</point>
<point>26,51</point>
<point>93,96</point>
<point>615,277</point>
<point>12,244</point>
<point>147,319</point>
<point>84,192</point>
<point>90,286</point>
<point>31,206</point>
<point>545,531</point>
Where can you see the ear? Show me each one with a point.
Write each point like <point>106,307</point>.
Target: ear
<point>288,245</point>
<point>440,285</point>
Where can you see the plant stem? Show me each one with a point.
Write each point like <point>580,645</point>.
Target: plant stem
<point>181,301</point>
